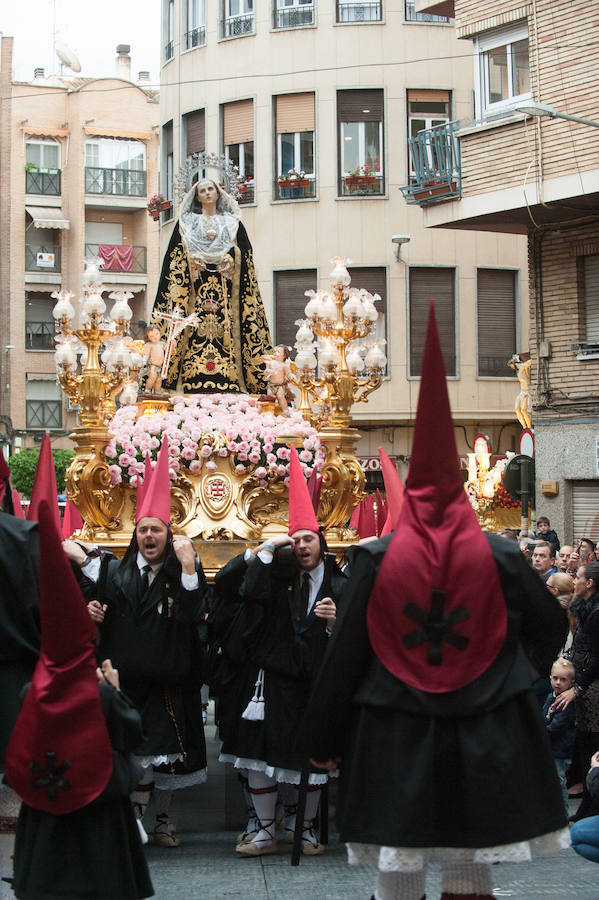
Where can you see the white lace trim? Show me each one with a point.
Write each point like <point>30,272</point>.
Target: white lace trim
<point>289,776</point>
<point>412,859</point>
<point>147,761</point>
<point>163,781</point>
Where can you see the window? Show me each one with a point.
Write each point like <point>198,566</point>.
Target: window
<point>413,16</point>
<point>360,122</point>
<point>169,30</point>
<point>426,109</point>
<point>43,154</point>
<point>503,70</point>
<point>294,150</point>
<point>290,301</point>
<point>496,321</point>
<point>39,324</point>
<point>115,166</point>
<point>194,132</point>
<point>168,162</point>
<point>351,11</point>
<point>43,402</point>
<point>238,18</point>
<point>238,140</point>
<point>194,23</point>
<point>591,299</point>
<point>437,284</point>
<point>291,13</point>
<point>374,280</point>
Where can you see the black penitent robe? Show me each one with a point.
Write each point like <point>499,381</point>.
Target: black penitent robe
<point>224,352</point>
<point>268,632</point>
<point>471,768</point>
<point>95,852</point>
<point>153,639</point>
<point>19,617</point>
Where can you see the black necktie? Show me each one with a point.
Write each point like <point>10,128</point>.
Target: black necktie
<point>145,578</point>
<point>305,593</point>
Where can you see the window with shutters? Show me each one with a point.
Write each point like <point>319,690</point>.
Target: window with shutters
<point>294,146</point>
<point>426,284</point>
<point>238,142</point>
<point>374,280</point>
<point>194,132</point>
<point>426,109</point>
<point>290,301</point>
<point>293,13</point>
<point>194,23</point>
<point>360,148</point>
<point>495,322</point>
<point>168,161</point>
<point>43,402</point>
<point>237,18</point>
<point>355,11</point>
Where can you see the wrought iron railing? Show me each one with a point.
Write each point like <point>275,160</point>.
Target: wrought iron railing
<point>195,38</point>
<point>169,51</point>
<point>42,258</point>
<point>289,190</point>
<point>44,413</point>
<point>435,162</point>
<point>361,185</point>
<point>296,15</point>
<point>367,11</point>
<point>246,193</point>
<point>413,16</point>
<point>46,183</point>
<point>116,257</point>
<point>120,182</point>
<point>235,26</point>
<point>39,335</point>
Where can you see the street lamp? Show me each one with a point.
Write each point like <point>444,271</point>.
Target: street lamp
<point>543,109</point>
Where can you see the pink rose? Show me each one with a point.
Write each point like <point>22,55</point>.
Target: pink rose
<point>110,451</point>
<point>239,469</point>
<point>281,470</point>
<point>242,456</point>
<point>260,472</point>
<point>254,457</point>
<point>115,474</point>
<point>205,451</point>
<point>223,451</point>
<point>305,456</point>
<point>124,460</point>
<point>211,466</point>
<point>195,466</point>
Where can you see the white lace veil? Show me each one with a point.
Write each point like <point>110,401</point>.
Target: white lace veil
<point>193,226</point>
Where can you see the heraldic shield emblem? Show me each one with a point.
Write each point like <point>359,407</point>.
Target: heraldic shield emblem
<point>217,494</point>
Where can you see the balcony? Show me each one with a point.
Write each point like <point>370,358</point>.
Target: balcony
<point>39,335</point>
<point>294,16</point>
<point>119,257</point>
<point>362,185</point>
<point>236,26</point>
<point>42,258</point>
<point>370,11</point>
<point>295,188</point>
<point>44,183</point>
<point>115,182</point>
<point>435,162</point>
<point>413,16</point>
<point>195,38</point>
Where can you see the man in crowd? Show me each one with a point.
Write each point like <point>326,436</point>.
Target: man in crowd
<point>286,615</point>
<point>148,608</point>
<point>563,557</point>
<point>543,560</point>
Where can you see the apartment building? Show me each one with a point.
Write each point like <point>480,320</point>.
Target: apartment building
<point>527,164</point>
<point>333,90</point>
<point>78,161</point>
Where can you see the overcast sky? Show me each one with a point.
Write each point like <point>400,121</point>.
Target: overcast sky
<point>91,29</point>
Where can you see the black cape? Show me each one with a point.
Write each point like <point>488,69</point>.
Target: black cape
<point>471,768</point>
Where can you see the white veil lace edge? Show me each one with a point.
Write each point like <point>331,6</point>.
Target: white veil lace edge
<point>226,204</point>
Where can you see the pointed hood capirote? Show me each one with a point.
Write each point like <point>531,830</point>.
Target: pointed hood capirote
<point>44,484</point>
<point>59,756</point>
<point>301,509</point>
<point>436,616</point>
<point>394,492</point>
<point>154,499</point>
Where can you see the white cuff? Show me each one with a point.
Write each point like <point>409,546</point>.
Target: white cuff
<point>189,582</point>
<point>91,569</point>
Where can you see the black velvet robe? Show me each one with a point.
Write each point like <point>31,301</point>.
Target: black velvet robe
<point>159,655</point>
<point>471,768</point>
<point>94,852</point>
<point>224,353</point>
<point>268,632</point>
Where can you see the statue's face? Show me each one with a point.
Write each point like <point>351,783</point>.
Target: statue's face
<point>206,192</point>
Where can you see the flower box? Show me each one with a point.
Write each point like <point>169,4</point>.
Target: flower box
<point>294,182</point>
<point>434,189</point>
<point>360,180</point>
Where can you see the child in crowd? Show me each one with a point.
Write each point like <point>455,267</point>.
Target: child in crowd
<point>561,725</point>
<point>545,532</point>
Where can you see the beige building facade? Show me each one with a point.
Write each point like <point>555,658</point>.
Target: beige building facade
<point>529,166</point>
<point>333,90</point>
<point>78,162</point>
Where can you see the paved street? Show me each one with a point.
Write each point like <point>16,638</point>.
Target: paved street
<point>205,866</point>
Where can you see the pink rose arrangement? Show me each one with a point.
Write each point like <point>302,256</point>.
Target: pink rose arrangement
<point>203,427</point>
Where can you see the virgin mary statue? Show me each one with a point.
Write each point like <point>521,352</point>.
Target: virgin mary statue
<point>208,271</point>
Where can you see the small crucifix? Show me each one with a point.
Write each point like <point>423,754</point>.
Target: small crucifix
<point>177,323</point>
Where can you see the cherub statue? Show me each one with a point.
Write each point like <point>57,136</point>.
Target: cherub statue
<point>278,374</point>
<point>521,363</point>
<point>153,356</point>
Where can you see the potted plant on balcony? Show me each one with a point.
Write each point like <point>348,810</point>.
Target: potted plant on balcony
<point>245,188</point>
<point>30,167</point>
<point>292,183</point>
<point>158,204</point>
<point>363,177</point>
